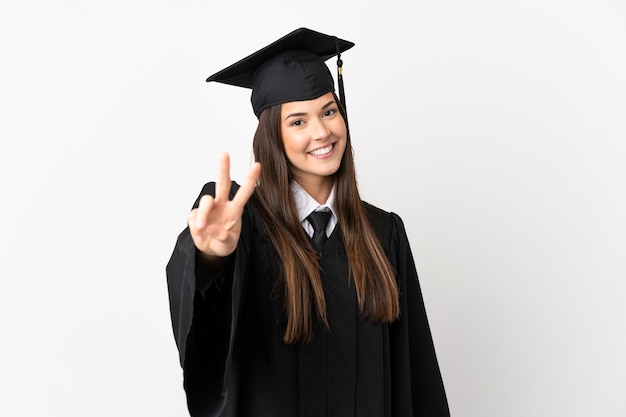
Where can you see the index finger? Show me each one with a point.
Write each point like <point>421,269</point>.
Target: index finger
<point>247,188</point>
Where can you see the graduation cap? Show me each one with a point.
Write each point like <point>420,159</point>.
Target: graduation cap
<point>289,69</point>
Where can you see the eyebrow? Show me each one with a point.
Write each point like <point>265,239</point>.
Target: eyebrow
<point>324,107</point>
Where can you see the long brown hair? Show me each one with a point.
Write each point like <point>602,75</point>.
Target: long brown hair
<point>374,279</point>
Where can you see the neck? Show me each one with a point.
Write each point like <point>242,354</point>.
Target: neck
<point>319,190</point>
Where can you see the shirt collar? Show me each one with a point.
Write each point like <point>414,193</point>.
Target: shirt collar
<point>307,204</point>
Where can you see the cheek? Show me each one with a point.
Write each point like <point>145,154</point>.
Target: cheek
<point>291,148</point>
<point>287,142</point>
<point>339,128</point>
<point>343,151</point>
<point>295,143</point>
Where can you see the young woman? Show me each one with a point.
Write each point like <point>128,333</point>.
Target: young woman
<point>289,295</point>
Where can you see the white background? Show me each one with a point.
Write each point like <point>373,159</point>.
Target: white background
<point>495,129</point>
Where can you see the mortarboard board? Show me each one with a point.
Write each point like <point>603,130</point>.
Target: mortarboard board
<point>289,69</point>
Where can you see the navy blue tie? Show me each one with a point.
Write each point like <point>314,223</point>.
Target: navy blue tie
<point>319,221</point>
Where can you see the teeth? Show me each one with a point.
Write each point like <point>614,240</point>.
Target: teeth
<point>322,151</point>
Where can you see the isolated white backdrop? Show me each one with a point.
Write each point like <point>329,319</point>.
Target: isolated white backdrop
<point>495,129</point>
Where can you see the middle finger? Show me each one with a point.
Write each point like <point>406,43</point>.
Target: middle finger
<point>222,186</point>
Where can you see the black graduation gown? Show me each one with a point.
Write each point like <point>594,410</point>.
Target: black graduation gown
<point>229,324</point>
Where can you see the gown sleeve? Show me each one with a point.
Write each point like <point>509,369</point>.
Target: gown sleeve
<point>201,308</point>
<point>412,336</point>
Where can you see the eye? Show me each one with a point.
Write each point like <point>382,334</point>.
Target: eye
<point>330,112</point>
<point>296,122</point>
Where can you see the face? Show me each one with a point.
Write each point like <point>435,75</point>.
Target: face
<point>314,136</point>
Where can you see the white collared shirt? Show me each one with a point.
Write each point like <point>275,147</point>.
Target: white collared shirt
<point>307,205</point>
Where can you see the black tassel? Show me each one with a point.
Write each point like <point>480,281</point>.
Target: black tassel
<point>342,94</point>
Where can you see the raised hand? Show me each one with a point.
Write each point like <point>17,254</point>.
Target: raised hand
<point>215,225</point>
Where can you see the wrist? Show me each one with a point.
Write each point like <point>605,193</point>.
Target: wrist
<point>212,261</point>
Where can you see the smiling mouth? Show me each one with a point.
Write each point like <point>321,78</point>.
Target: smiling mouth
<point>322,151</point>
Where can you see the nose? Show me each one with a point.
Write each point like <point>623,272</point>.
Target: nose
<point>319,130</point>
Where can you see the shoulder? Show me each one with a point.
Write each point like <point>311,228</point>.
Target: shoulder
<point>250,216</point>
<point>378,215</point>
<point>209,189</point>
<point>388,225</point>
